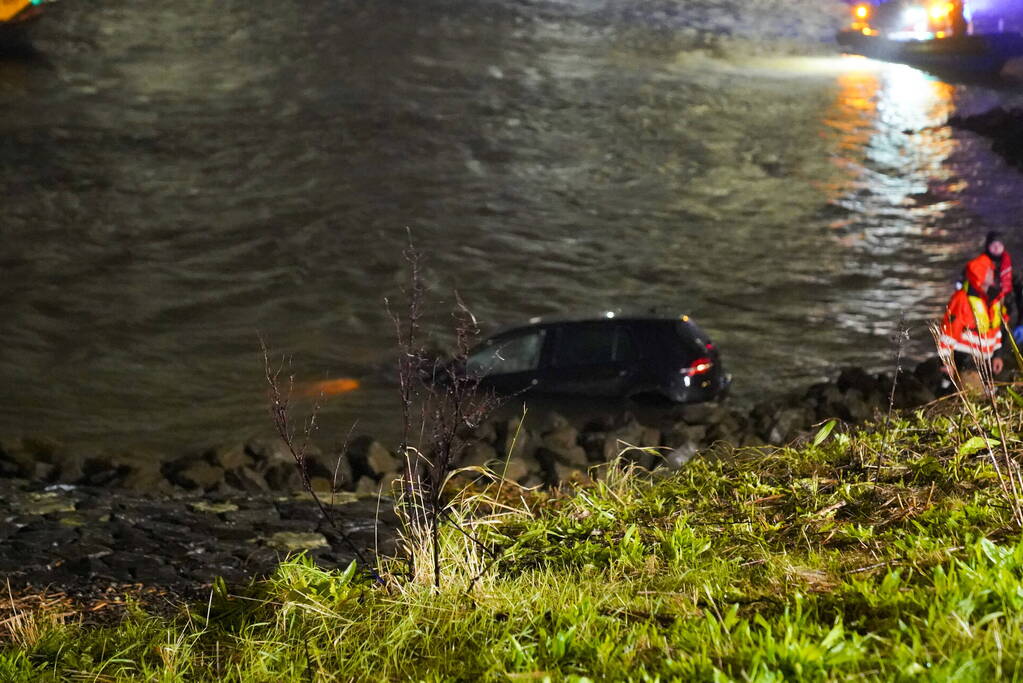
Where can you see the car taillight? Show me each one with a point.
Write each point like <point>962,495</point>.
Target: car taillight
<point>699,366</point>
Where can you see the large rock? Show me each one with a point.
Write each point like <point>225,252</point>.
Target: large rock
<point>554,422</point>
<point>701,413</point>
<point>141,473</point>
<point>564,437</point>
<point>858,379</point>
<point>627,435</point>
<point>520,469</point>
<point>229,457</point>
<point>246,479</point>
<point>370,458</point>
<point>680,456</point>
<point>24,457</point>
<point>486,432</point>
<point>282,476</point>
<point>684,433</point>
<point>563,443</point>
<point>574,456</point>
<point>478,454</point>
<point>198,474</point>
<point>788,424</point>
<point>513,440</point>
<point>339,465</point>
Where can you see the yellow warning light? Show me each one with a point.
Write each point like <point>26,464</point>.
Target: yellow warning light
<point>941,10</point>
<point>862,11</point>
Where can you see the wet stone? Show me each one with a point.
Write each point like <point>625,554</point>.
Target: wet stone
<point>289,525</point>
<point>48,504</point>
<point>302,511</point>
<point>253,517</point>
<point>48,536</point>
<point>213,508</point>
<point>83,550</point>
<point>153,573</point>
<point>290,541</point>
<point>166,530</point>
<point>233,533</point>
<point>127,535</point>
<point>84,567</point>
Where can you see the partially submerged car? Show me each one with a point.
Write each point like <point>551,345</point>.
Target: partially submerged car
<point>626,356</point>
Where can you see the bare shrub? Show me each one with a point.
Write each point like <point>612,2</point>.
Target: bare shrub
<point>441,404</point>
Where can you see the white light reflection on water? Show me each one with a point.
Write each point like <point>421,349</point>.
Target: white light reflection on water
<point>895,116</point>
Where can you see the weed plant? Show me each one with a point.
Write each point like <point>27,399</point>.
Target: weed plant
<point>796,563</point>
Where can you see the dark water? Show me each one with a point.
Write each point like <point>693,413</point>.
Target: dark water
<point>182,178</point>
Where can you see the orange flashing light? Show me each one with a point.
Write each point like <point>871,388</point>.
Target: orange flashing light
<point>331,387</point>
<point>941,10</point>
<point>862,11</point>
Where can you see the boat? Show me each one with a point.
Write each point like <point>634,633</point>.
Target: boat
<point>975,55</point>
<point>939,37</point>
<point>17,17</point>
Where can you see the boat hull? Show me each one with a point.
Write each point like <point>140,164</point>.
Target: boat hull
<point>978,55</point>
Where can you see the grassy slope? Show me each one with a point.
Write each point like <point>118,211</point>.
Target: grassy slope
<point>883,554</point>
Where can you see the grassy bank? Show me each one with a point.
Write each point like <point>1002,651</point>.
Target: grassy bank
<point>887,553</point>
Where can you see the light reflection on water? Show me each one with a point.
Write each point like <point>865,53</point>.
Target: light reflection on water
<point>891,118</point>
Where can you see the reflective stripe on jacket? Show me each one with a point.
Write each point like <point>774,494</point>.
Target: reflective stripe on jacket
<point>971,325</point>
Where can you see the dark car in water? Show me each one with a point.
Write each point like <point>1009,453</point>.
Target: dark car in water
<point>626,356</point>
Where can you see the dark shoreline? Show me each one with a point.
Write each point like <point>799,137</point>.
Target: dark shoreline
<point>1004,127</point>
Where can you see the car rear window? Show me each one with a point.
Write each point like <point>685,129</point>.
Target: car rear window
<point>693,340</point>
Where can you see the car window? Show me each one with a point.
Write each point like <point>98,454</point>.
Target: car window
<point>693,340</point>
<point>520,353</point>
<point>585,345</point>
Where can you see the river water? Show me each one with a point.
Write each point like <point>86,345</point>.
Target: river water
<point>182,179</point>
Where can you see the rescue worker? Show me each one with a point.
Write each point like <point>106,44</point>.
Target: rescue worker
<point>971,331</point>
<point>1010,287</point>
<point>995,249</point>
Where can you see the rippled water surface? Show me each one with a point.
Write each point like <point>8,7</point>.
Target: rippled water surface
<point>181,179</point>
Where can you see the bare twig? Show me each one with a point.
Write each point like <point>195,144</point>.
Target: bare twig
<point>280,405</point>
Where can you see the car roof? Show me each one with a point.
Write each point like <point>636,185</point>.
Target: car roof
<point>648,315</point>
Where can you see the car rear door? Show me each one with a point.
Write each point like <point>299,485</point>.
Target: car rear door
<point>592,358</point>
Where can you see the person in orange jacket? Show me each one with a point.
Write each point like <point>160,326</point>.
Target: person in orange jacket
<point>1011,286</point>
<point>971,330</point>
<point>1008,285</point>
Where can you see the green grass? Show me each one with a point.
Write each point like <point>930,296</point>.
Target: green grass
<point>865,556</point>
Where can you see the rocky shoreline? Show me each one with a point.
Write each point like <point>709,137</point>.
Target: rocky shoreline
<point>77,521</point>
